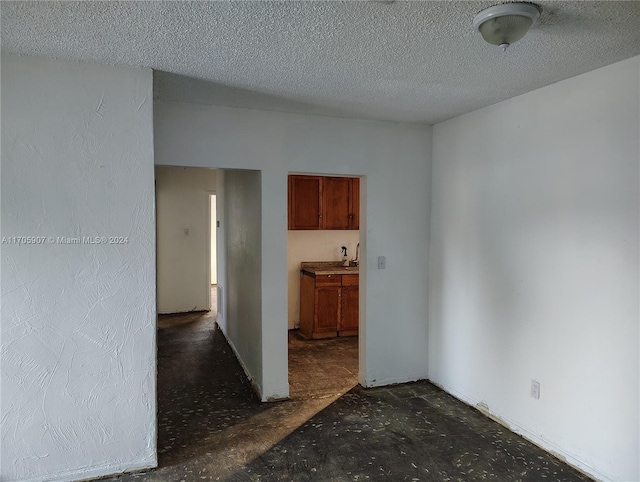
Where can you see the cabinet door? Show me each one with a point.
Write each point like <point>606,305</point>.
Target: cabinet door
<point>354,204</point>
<point>327,309</point>
<point>307,304</point>
<point>305,202</point>
<point>335,202</point>
<point>349,314</point>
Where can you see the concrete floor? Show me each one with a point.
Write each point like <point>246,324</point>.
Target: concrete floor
<point>212,427</point>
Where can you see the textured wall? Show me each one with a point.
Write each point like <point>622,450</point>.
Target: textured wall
<point>535,265</point>
<point>183,240</point>
<point>242,213</point>
<point>78,320</point>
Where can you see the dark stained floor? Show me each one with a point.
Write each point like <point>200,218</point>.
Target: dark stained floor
<point>212,427</point>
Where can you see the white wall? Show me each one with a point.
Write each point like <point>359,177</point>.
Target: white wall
<point>78,320</point>
<point>313,245</point>
<point>183,239</point>
<point>243,327</point>
<point>221,251</point>
<point>213,248</point>
<point>535,265</point>
<point>396,160</point>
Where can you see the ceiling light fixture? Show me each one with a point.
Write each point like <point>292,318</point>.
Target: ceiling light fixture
<point>505,24</point>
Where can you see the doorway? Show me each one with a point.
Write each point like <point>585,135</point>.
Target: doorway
<point>183,238</point>
<point>323,317</point>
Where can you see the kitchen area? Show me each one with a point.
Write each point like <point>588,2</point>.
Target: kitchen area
<point>323,278</point>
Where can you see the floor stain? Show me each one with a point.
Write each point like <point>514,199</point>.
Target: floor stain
<point>211,426</point>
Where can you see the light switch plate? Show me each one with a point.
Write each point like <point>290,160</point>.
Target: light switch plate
<point>382,262</point>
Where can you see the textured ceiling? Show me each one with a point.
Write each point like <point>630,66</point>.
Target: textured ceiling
<point>401,61</point>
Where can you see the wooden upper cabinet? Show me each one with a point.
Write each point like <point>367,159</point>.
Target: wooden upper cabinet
<point>354,204</point>
<point>335,202</point>
<point>317,202</point>
<point>305,202</point>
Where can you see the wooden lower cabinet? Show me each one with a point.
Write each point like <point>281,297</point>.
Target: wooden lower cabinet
<point>349,314</point>
<point>329,305</point>
<point>327,309</point>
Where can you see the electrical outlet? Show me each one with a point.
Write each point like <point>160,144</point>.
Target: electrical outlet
<point>382,262</point>
<point>535,389</point>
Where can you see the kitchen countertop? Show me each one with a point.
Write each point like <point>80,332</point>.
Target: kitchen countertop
<point>314,268</point>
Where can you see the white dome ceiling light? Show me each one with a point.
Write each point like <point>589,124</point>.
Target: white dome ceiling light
<point>505,24</point>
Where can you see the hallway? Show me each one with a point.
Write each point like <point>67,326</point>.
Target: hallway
<point>212,427</point>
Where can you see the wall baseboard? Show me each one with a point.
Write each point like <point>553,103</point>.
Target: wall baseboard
<point>514,427</point>
<point>254,385</point>
<point>381,382</point>
<point>92,473</point>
